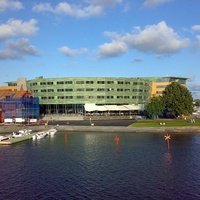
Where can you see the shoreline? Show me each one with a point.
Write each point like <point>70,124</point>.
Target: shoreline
<point>113,129</point>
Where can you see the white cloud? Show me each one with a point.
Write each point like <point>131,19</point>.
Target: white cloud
<point>43,7</point>
<point>17,28</point>
<point>75,11</point>
<point>196,28</point>
<point>153,3</point>
<point>71,52</point>
<point>113,49</point>
<point>89,9</point>
<point>104,3</point>
<point>22,46</point>
<point>10,5</point>
<point>158,39</point>
<point>18,49</point>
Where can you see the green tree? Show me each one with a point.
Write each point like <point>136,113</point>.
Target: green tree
<point>155,107</point>
<point>197,102</point>
<point>178,99</point>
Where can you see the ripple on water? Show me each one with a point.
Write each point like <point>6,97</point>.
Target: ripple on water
<point>92,166</point>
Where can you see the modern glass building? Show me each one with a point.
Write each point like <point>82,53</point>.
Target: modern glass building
<point>79,95</point>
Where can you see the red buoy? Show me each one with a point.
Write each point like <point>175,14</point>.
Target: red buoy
<point>117,139</point>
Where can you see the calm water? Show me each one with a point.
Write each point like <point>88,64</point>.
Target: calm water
<point>92,166</point>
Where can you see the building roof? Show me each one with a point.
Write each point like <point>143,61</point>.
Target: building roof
<point>16,94</point>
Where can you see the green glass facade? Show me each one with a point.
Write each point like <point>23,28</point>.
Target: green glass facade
<point>69,95</point>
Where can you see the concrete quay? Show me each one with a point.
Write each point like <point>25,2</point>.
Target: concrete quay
<point>129,129</point>
<point>115,129</point>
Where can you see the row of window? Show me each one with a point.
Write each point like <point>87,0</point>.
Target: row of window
<point>92,89</point>
<point>90,82</point>
<point>92,97</point>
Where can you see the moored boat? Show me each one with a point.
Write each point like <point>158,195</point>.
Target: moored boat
<point>25,131</point>
<point>41,134</point>
<point>2,138</point>
<point>52,131</point>
<point>17,134</point>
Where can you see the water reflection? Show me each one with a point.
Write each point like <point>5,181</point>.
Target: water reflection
<point>91,168</point>
<point>168,158</point>
<point>66,139</point>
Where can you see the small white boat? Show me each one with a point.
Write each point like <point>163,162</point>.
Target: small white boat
<point>52,131</point>
<point>21,133</point>
<point>34,137</point>
<point>41,134</point>
<point>25,131</point>
<point>17,134</point>
<point>2,138</point>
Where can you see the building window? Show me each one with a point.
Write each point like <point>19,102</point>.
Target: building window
<point>60,90</point>
<point>89,82</point>
<point>109,89</point>
<point>80,97</point>
<point>127,90</point>
<point>34,84</point>
<point>69,97</point>
<point>89,89</point>
<point>68,82</point>
<point>51,97</point>
<point>35,91</point>
<point>100,89</point>
<point>134,97</point>
<point>80,89</point>
<point>119,97</point>
<point>120,82</point>
<point>89,97</point>
<point>110,82</point>
<point>68,90</point>
<point>126,97</point>
<point>43,98</point>
<point>43,90</point>
<point>109,97</point>
<point>60,97</point>
<point>120,90</point>
<point>49,83</point>
<point>60,82</point>
<point>79,82</point>
<point>50,90</point>
<point>100,97</point>
<point>42,83</point>
<point>127,83</point>
<point>161,86</point>
<point>100,82</point>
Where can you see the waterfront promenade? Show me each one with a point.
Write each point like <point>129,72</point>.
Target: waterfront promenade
<point>118,126</point>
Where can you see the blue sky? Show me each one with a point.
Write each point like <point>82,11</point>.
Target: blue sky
<point>100,38</point>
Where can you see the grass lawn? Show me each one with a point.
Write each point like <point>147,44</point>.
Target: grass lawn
<point>168,123</point>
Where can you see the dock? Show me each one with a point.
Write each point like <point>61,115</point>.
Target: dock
<point>17,139</point>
